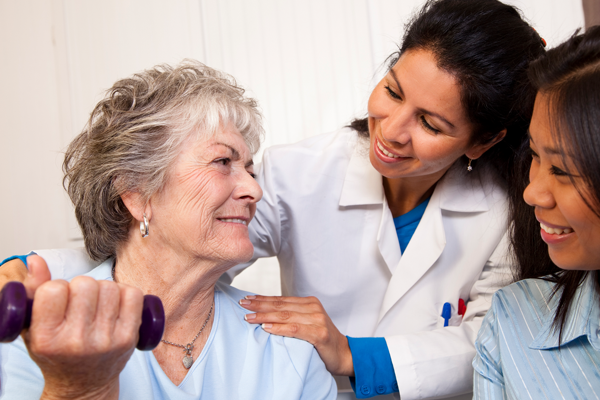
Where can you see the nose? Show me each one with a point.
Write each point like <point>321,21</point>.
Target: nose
<point>537,193</point>
<point>397,124</point>
<point>248,189</point>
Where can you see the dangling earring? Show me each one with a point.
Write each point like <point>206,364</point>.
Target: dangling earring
<point>144,228</point>
<point>469,168</point>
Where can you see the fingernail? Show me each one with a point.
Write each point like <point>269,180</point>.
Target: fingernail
<point>251,297</point>
<point>267,326</point>
<point>249,316</point>
<point>244,302</point>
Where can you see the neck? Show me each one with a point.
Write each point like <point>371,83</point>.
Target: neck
<point>185,284</point>
<point>404,194</point>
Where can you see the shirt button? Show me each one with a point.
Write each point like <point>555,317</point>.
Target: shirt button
<point>365,390</point>
<point>395,387</point>
<point>381,389</point>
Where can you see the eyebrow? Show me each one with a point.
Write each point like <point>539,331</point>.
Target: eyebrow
<point>548,150</point>
<point>424,111</point>
<point>236,154</point>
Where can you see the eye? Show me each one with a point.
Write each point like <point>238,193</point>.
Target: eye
<point>427,126</point>
<point>557,171</point>
<point>252,174</point>
<point>223,161</point>
<point>533,154</point>
<point>392,93</point>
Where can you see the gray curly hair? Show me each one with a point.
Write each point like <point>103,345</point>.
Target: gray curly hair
<point>134,135</point>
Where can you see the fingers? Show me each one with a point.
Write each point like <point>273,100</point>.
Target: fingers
<point>130,315</point>
<point>37,274</point>
<point>13,270</point>
<point>285,299</point>
<point>287,317</point>
<point>49,308</point>
<point>291,304</point>
<point>313,334</point>
<point>86,315</point>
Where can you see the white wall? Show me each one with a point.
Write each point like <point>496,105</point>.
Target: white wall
<point>310,64</point>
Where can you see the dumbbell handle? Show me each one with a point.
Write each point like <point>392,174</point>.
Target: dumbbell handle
<point>15,315</point>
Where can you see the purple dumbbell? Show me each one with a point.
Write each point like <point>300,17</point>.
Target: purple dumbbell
<point>15,315</point>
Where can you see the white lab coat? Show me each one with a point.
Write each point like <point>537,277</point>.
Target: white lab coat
<point>325,216</point>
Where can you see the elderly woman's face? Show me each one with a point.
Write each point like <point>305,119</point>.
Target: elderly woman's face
<point>209,199</point>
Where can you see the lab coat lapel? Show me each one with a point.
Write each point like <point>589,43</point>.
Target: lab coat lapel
<point>456,192</point>
<point>363,186</point>
<point>424,249</point>
<point>362,183</point>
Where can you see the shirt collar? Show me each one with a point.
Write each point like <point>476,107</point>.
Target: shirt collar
<point>583,319</point>
<point>459,192</point>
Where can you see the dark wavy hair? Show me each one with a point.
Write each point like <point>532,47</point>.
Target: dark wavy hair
<point>487,46</point>
<point>570,76</point>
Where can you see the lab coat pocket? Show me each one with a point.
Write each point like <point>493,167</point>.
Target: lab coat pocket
<point>454,320</point>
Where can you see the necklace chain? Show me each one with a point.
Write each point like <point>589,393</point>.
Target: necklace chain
<point>188,348</point>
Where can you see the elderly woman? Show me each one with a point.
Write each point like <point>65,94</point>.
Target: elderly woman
<point>168,154</point>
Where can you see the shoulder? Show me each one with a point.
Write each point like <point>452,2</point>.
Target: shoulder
<point>335,144</point>
<point>479,191</point>
<point>67,263</point>
<point>525,297</point>
<point>103,271</point>
<point>299,352</point>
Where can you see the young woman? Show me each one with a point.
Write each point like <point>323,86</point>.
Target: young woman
<point>541,337</point>
<point>395,222</point>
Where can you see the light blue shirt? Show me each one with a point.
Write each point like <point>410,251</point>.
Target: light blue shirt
<point>517,348</point>
<point>239,361</point>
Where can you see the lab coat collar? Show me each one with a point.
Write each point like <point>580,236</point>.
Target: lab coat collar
<point>460,191</point>
<point>583,319</point>
<point>363,185</point>
<point>463,191</point>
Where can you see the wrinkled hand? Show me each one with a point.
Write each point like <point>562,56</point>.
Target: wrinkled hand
<point>303,318</point>
<point>82,333</point>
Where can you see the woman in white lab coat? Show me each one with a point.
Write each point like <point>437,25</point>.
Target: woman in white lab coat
<point>336,206</point>
<point>391,223</point>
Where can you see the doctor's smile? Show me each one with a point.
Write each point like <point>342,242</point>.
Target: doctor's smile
<point>386,155</point>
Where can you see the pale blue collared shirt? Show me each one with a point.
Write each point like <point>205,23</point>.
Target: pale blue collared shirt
<point>239,361</point>
<point>517,348</point>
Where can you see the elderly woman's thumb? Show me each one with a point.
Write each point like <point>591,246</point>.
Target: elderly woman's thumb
<point>37,274</point>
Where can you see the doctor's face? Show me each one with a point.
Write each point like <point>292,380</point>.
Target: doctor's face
<point>569,227</point>
<point>417,123</point>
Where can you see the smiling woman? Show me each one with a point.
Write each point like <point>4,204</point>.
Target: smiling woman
<point>419,128</point>
<point>168,154</point>
<point>541,339</point>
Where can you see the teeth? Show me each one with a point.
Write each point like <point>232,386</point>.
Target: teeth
<point>387,153</point>
<point>236,220</point>
<point>553,231</point>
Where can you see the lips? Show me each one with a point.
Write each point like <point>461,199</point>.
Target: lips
<point>555,231</point>
<point>385,152</point>
<point>385,155</point>
<point>234,220</point>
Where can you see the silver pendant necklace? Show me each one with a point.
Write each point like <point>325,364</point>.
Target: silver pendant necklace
<point>188,360</point>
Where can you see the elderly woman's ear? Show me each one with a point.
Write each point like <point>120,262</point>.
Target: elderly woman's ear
<point>137,206</point>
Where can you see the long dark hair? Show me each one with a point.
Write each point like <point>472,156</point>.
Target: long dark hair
<point>487,46</point>
<point>570,75</point>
